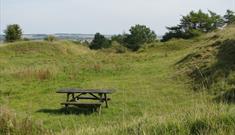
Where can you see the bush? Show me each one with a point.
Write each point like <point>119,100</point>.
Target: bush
<point>13,33</point>
<point>139,34</point>
<point>200,127</point>
<point>26,39</point>
<point>194,24</point>
<point>100,42</point>
<point>50,38</point>
<point>119,38</point>
<point>118,47</point>
<point>229,17</point>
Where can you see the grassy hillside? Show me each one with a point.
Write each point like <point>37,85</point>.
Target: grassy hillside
<point>211,64</point>
<point>153,93</point>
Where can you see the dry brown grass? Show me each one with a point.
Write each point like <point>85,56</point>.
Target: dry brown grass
<point>39,74</point>
<point>11,124</point>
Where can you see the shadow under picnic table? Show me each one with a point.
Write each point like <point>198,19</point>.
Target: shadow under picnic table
<point>69,110</point>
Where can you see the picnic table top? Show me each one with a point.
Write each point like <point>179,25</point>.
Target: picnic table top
<point>77,90</point>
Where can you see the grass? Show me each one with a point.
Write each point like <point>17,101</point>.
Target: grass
<point>152,95</point>
<point>211,64</point>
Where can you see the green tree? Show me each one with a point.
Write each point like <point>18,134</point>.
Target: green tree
<point>201,21</point>
<point>216,20</point>
<point>178,32</point>
<point>13,33</point>
<point>194,24</point>
<point>119,38</point>
<point>100,42</point>
<point>139,34</point>
<point>229,17</point>
<point>173,32</point>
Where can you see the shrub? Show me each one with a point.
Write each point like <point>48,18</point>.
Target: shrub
<point>50,38</point>
<point>200,127</point>
<point>100,42</point>
<point>13,33</point>
<point>229,17</point>
<point>193,24</point>
<point>119,38</point>
<point>26,39</point>
<point>139,34</point>
<point>118,47</point>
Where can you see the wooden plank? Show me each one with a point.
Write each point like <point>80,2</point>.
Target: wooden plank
<point>92,98</point>
<point>106,100</point>
<point>97,104</point>
<point>76,90</point>
<point>76,103</point>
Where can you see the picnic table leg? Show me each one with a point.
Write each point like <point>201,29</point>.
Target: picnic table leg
<point>101,95</point>
<point>99,110</point>
<point>73,97</point>
<point>66,105</point>
<point>68,97</point>
<point>106,101</point>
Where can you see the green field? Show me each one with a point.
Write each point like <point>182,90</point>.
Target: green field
<point>154,94</point>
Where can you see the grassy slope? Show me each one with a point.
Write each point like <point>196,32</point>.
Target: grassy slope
<point>211,64</point>
<point>150,95</point>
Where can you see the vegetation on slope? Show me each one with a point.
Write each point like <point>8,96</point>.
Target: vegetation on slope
<point>150,97</point>
<point>212,63</point>
<point>196,23</point>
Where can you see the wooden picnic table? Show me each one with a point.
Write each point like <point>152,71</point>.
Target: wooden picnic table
<point>74,95</point>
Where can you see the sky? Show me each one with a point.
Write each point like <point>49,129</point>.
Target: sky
<point>104,16</point>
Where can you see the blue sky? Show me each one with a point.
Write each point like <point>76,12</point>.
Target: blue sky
<point>105,16</point>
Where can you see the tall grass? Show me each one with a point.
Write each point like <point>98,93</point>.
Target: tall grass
<point>207,119</point>
<point>11,124</point>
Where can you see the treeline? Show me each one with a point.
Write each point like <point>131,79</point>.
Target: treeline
<point>191,25</point>
<point>196,23</point>
<point>139,34</point>
<point>14,33</point>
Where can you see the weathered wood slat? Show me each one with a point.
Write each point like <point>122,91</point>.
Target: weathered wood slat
<point>76,90</point>
<point>79,103</point>
<point>92,98</point>
<point>96,105</point>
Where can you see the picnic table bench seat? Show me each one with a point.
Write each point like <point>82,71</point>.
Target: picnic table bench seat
<point>92,98</point>
<point>74,95</point>
<point>82,103</point>
<point>95,105</point>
